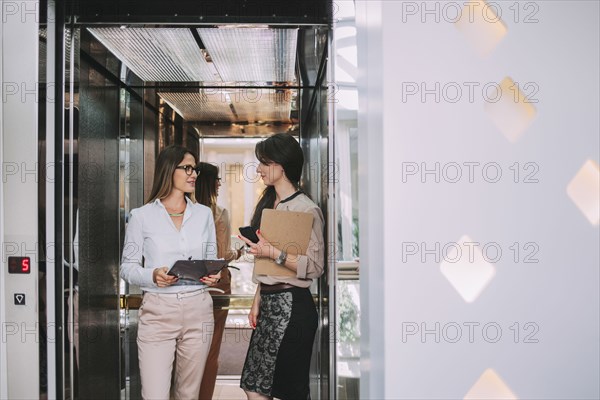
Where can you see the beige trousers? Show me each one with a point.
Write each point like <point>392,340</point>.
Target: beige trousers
<point>172,324</point>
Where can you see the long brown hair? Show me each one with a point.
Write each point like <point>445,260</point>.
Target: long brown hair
<point>283,149</point>
<point>206,185</point>
<point>167,160</point>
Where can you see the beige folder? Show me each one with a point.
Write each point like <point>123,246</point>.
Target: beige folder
<point>288,231</point>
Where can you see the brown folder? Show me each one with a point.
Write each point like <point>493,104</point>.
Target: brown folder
<point>288,231</point>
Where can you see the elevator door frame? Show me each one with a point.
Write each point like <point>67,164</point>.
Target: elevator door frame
<point>325,319</point>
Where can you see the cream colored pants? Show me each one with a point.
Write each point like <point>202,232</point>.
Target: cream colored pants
<point>172,324</point>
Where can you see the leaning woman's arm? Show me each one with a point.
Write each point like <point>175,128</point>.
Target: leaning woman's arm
<point>210,246</point>
<point>131,263</point>
<point>223,231</point>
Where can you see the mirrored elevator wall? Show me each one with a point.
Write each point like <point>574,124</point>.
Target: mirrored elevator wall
<point>98,154</point>
<point>118,127</point>
<point>313,57</point>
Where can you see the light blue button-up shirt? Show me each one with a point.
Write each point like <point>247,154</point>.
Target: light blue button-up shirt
<point>152,235</point>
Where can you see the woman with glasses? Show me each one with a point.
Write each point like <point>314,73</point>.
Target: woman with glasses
<point>207,190</point>
<point>174,319</point>
<point>283,314</point>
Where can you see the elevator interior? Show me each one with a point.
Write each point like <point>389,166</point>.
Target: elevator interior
<point>139,78</point>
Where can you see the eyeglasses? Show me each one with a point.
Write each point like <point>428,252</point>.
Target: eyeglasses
<point>189,169</point>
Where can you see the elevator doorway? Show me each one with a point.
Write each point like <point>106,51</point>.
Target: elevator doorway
<point>125,102</point>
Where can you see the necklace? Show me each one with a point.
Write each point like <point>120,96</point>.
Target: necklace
<point>176,214</point>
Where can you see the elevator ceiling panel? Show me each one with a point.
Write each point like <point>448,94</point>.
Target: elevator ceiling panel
<point>157,54</point>
<point>235,105</point>
<point>254,105</point>
<point>198,106</point>
<point>252,54</point>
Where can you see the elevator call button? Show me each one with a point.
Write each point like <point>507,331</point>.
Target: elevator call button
<point>19,299</point>
<point>19,265</point>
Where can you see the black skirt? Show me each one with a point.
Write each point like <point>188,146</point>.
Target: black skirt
<point>278,359</point>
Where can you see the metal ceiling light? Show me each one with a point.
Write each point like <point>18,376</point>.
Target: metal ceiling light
<point>157,54</point>
<point>216,105</point>
<point>252,54</point>
<point>199,106</point>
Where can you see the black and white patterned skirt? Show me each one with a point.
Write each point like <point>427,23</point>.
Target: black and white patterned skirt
<point>278,359</point>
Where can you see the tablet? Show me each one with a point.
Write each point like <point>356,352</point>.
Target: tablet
<point>189,272</point>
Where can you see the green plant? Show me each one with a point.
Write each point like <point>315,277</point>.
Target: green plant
<point>349,316</point>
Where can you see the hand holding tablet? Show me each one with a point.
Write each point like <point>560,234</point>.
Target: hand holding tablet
<point>191,272</point>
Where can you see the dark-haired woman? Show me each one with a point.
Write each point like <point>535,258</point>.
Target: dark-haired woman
<point>173,319</point>
<point>283,315</point>
<point>207,190</point>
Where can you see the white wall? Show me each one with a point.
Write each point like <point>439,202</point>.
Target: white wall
<point>18,135</point>
<point>559,294</point>
<point>3,362</point>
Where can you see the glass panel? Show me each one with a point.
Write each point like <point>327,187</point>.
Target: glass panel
<point>345,96</point>
<point>131,192</point>
<point>71,216</point>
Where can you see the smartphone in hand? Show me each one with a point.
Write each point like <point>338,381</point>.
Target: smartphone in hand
<point>249,233</point>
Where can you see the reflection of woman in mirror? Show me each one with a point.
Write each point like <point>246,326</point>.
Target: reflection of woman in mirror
<point>173,319</point>
<point>207,190</point>
<point>283,314</point>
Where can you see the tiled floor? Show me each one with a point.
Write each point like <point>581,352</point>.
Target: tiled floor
<point>228,389</point>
